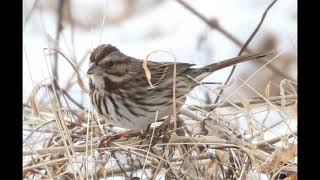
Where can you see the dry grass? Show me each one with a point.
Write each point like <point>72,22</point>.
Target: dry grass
<point>209,143</point>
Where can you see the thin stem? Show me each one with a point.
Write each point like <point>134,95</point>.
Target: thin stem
<point>246,45</point>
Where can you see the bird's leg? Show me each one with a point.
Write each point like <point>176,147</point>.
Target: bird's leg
<point>145,132</point>
<point>158,131</point>
<point>106,140</point>
<point>163,126</point>
<point>181,127</point>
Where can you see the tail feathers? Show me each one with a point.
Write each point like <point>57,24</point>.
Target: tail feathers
<point>205,71</point>
<point>235,60</point>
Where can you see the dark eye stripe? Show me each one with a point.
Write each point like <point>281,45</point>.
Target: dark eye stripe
<point>109,64</point>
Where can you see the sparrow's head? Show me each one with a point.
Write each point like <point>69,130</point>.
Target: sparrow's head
<point>102,58</point>
<point>107,61</point>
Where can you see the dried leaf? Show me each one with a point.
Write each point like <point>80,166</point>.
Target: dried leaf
<point>147,71</point>
<point>268,89</point>
<point>246,105</point>
<point>33,100</point>
<point>278,158</point>
<point>223,156</point>
<point>145,65</point>
<point>225,86</point>
<point>212,169</point>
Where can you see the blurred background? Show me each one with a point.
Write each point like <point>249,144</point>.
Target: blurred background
<point>138,27</point>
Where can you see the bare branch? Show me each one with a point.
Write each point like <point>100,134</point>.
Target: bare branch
<point>246,45</point>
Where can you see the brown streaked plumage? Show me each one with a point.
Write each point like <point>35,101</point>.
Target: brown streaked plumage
<point>121,94</point>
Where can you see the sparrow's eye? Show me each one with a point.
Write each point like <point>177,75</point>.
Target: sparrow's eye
<point>110,64</point>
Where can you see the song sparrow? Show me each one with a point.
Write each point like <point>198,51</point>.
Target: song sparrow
<point>121,94</point>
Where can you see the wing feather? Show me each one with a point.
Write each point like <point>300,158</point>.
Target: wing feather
<point>160,72</point>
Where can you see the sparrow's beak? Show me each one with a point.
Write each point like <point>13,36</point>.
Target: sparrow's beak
<point>92,68</point>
